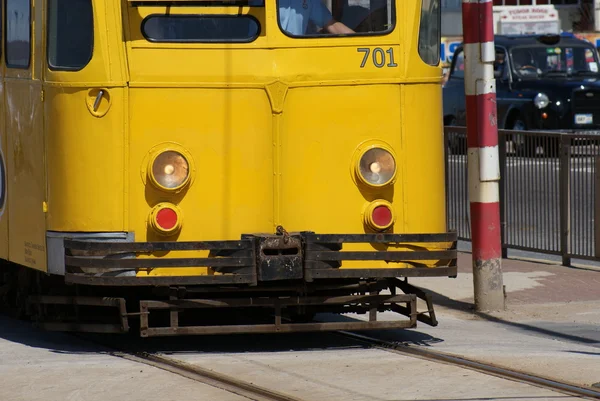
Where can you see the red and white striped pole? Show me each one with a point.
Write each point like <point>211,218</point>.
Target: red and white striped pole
<point>483,161</point>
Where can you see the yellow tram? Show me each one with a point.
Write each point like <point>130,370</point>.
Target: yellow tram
<point>165,160</point>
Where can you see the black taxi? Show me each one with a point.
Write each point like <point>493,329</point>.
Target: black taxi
<point>543,82</point>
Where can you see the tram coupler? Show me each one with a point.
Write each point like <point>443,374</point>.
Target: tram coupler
<point>279,256</point>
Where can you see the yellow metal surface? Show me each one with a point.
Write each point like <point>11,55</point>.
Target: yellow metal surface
<point>232,186</point>
<point>26,183</point>
<point>424,188</point>
<point>65,161</point>
<point>87,146</point>
<point>294,110</point>
<point>318,150</point>
<point>25,154</point>
<point>271,128</point>
<point>85,161</point>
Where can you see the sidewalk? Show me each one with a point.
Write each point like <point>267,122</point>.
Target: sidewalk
<point>533,290</point>
<point>551,325</point>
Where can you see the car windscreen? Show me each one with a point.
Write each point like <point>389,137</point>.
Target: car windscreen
<point>542,61</point>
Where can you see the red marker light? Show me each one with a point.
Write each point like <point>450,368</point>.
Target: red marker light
<point>382,216</point>
<point>166,218</point>
<point>379,215</point>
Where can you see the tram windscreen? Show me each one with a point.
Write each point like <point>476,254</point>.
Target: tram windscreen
<point>306,18</point>
<point>296,19</point>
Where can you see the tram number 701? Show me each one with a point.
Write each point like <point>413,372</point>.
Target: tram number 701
<point>378,56</point>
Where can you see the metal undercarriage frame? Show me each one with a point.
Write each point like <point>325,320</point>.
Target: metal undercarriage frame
<point>280,275</point>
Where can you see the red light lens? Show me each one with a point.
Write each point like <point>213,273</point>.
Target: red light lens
<point>382,216</point>
<point>166,218</point>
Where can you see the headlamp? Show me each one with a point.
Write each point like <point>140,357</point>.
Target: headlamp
<point>377,167</point>
<point>541,100</point>
<point>170,170</point>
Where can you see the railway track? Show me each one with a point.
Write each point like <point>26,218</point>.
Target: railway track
<point>196,373</point>
<point>487,368</point>
<point>258,393</point>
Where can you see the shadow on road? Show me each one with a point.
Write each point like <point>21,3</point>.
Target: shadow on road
<point>24,333</point>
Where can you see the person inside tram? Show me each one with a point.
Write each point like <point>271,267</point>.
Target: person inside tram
<point>294,16</point>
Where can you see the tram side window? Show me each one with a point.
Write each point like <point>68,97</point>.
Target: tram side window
<point>18,33</point>
<point>430,32</point>
<point>314,18</point>
<point>70,34</point>
<point>200,28</point>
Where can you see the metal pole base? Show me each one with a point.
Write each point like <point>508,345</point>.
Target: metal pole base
<point>488,285</point>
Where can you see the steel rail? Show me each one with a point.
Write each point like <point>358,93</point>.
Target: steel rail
<point>436,356</point>
<point>196,373</point>
<point>214,379</point>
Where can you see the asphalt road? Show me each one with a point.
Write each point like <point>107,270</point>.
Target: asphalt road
<point>532,201</point>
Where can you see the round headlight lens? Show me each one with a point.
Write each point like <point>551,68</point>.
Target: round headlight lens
<point>170,169</point>
<point>541,100</point>
<point>377,166</point>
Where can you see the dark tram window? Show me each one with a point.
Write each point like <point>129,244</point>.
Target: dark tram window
<point>18,33</point>
<point>70,34</point>
<point>200,28</point>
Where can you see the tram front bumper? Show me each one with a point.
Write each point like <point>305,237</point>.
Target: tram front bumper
<point>257,258</point>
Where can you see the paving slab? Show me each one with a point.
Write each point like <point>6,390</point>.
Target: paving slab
<point>321,366</point>
<point>551,325</point>
<point>42,366</point>
<point>534,291</point>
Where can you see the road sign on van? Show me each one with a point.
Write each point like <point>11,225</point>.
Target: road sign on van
<point>524,20</point>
